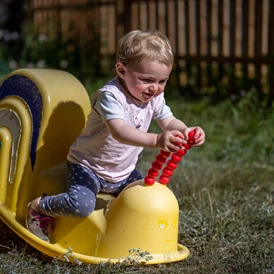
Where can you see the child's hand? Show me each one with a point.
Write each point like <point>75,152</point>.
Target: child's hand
<point>199,136</point>
<point>171,140</point>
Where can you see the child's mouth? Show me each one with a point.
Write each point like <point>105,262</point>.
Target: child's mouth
<point>148,95</point>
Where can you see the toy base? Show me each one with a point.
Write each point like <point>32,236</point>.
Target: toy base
<point>57,251</point>
<point>182,254</point>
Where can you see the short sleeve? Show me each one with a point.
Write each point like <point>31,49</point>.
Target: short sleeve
<point>162,111</point>
<point>108,107</point>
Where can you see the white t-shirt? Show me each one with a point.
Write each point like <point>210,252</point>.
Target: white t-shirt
<point>96,149</point>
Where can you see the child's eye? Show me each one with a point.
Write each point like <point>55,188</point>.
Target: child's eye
<point>146,80</point>
<point>162,82</point>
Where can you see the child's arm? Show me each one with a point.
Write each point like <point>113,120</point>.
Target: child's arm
<point>131,136</point>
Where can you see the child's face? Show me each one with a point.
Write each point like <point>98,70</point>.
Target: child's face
<point>145,80</point>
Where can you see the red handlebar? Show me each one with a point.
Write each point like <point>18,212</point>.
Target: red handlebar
<point>161,158</point>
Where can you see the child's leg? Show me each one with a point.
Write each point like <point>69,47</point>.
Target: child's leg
<point>133,177</point>
<point>78,201</point>
<point>80,198</point>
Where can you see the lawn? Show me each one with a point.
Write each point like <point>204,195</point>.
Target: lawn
<point>224,188</point>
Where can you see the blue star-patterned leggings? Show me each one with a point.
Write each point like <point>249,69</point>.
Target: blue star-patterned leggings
<point>82,187</point>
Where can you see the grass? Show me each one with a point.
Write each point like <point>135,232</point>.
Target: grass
<point>225,191</point>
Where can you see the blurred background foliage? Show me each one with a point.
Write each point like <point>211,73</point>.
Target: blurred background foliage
<point>21,46</point>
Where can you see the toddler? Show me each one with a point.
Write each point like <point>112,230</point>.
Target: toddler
<point>104,156</point>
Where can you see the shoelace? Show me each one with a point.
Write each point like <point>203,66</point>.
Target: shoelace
<point>44,221</point>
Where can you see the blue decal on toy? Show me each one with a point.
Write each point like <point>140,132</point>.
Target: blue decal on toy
<point>26,89</point>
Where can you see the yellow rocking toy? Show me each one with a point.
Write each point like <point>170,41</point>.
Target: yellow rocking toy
<point>42,112</point>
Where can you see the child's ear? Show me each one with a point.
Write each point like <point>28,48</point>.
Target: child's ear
<point>120,70</point>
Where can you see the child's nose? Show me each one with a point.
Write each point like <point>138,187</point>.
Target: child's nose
<point>153,88</point>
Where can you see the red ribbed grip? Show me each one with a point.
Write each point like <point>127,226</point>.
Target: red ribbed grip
<point>172,163</point>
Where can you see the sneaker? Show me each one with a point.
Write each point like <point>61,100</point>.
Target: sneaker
<point>39,224</point>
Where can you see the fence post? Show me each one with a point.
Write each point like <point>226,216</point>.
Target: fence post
<point>271,49</point>
<point>126,15</point>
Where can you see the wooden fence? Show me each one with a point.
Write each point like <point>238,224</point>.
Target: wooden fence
<point>216,42</point>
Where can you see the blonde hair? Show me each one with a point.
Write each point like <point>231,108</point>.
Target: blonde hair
<point>138,45</point>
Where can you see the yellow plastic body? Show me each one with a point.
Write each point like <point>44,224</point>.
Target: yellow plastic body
<point>141,217</point>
